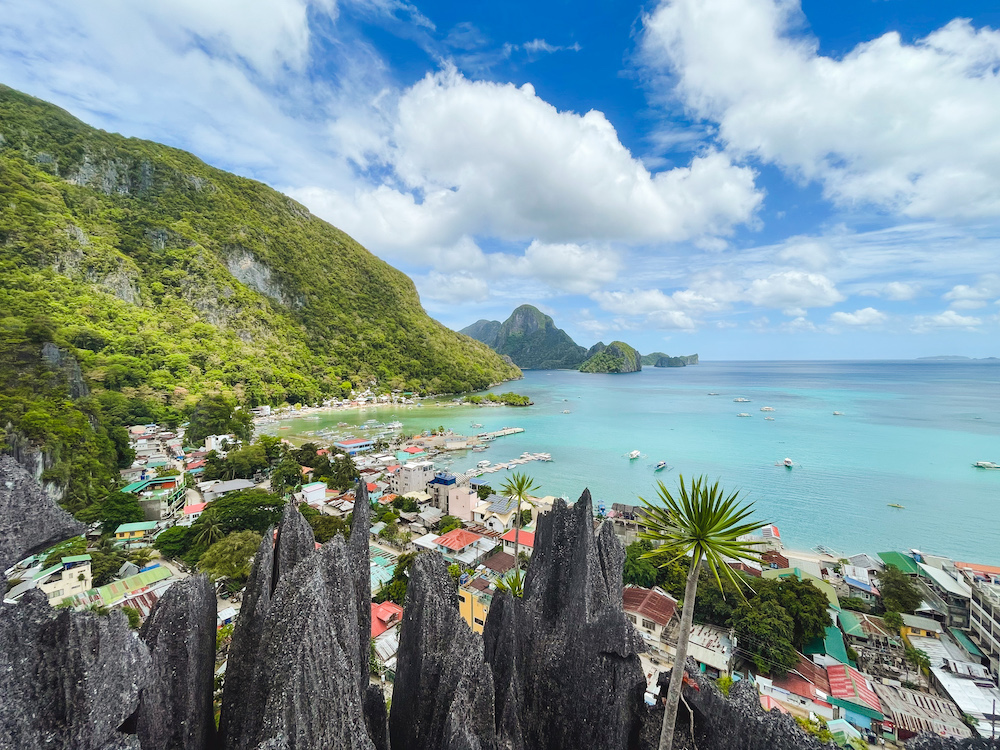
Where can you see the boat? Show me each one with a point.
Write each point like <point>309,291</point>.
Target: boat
<point>742,414</point>
<point>480,449</point>
<point>838,414</point>
<point>986,465</point>
<point>633,455</point>
<point>482,464</point>
<point>767,408</point>
<point>476,425</point>
<point>566,411</point>
<point>769,419</point>
<point>660,466</point>
<point>788,463</point>
<point>896,505</point>
<point>741,400</point>
<point>713,393</point>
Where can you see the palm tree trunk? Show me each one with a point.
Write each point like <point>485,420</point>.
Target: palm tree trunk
<point>677,673</point>
<point>517,535</point>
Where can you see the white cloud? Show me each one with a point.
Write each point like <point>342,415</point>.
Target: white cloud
<point>968,297</point>
<point>900,291</point>
<point>910,127</point>
<point>483,158</point>
<point>865,317</point>
<point>672,319</point>
<point>452,289</point>
<point>565,266</point>
<point>800,324</point>
<point>947,319</point>
<point>791,289</point>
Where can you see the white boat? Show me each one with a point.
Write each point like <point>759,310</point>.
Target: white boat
<point>660,466</point>
<point>769,419</point>
<point>741,400</point>
<point>713,393</point>
<point>565,411</point>
<point>838,414</point>
<point>482,464</point>
<point>767,408</point>
<point>480,449</point>
<point>633,455</point>
<point>986,465</point>
<point>788,463</point>
<point>742,414</point>
<point>477,425</point>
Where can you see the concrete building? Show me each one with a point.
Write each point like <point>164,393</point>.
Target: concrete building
<point>496,513</point>
<point>909,713</point>
<point>853,692</point>
<point>158,497</point>
<point>525,541</point>
<point>650,610</point>
<point>438,488</point>
<point>474,600</point>
<point>66,578</point>
<point>461,502</point>
<point>710,646</point>
<point>314,493</point>
<point>411,477</point>
<point>949,594</point>
<point>985,621</point>
<point>803,690</point>
<point>215,490</point>
<point>464,547</point>
<point>137,534</point>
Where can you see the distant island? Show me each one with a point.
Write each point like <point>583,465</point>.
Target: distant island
<point>955,358</point>
<point>530,339</point>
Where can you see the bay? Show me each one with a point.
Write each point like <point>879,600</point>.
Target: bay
<point>908,434</point>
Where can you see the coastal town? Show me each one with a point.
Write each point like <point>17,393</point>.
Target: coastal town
<point>873,676</point>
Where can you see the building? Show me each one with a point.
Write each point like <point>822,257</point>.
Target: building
<point>439,486</point>
<point>496,512</point>
<point>411,453</point>
<point>709,645</point>
<point>525,541</point>
<point>385,615</point>
<point>314,493</point>
<point>909,713</point>
<point>122,592</point>
<point>191,513</point>
<point>923,627</point>
<point>650,610</point>
<point>411,477</point>
<point>137,534</point>
<point>461,502</point>
<point>853,692</point>
<point>951,596</point>
<point>158,497</point>
<point>215,490</point>
<point>464,547</point>
<point>66,578</point>
<point>905,563</point>
<point>354,446</point>
<point>985,621</point>
<point>973,689</point>
<point>803,690</point>
<point>474,599</point>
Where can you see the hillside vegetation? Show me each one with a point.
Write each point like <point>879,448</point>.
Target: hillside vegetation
<point>167,279</point>
<point>616,357</point>
<point>531,340</point>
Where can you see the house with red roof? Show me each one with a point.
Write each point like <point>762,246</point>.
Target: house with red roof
<point>464,547</point>
<point>852,691</point>
<point>192,513</point>
<point>650,610</point>
<point>804,689</point>
<point>385,615</point>
<point>526,541</point>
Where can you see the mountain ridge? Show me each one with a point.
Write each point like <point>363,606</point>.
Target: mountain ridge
<point>530,338</point>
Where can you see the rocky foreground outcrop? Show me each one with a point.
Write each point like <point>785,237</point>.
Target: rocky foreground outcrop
<point>555,670</point>
<point>30,520</point>
<point>565,658</point>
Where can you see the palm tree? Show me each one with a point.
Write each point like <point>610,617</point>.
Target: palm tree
<point>517,488</point>
<point>211,532</point>
<point>705,523</point>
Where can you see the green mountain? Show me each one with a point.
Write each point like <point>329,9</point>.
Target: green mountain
<point>531,340</point>
<point>616,357</point>
<point>659,359</point>
<point>165,278</point>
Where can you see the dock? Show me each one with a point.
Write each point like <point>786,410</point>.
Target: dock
<point>499,433</point>
<point>503,465</point>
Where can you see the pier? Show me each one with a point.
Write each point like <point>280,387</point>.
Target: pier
<point>499,433</point>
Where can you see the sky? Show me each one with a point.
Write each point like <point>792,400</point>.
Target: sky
<point>745,179</point>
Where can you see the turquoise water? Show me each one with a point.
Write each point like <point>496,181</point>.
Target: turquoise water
<point>909,434</point>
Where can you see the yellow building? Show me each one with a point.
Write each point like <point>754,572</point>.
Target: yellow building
<point>923,627</point>
<point>474,599</point>
<point>135,533</point>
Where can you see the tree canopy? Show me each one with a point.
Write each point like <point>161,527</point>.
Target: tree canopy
<point>899,593</point>
<point>217,414</point>
<point>231,557</point>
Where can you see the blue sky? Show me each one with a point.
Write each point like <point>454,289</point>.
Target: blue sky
<point>758,179</point>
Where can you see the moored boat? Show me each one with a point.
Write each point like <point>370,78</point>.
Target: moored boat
<point>986,465</point>
<point>633,455</point>
<point>660,466</point>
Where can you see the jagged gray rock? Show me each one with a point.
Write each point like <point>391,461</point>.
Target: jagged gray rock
<point>377,717</point>
<point>565,658</point>
<point>934,742</point>
<point>721,723</point>
<point>30,520</point>
<point>68,680</point>
<point>443,694</point>
<point>175,710</point>
<point>298,669</point>
<point>66,365</point>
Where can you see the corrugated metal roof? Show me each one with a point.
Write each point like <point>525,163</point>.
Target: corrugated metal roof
<point>898,560</point>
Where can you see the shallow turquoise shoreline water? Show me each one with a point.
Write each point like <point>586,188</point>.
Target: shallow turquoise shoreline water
<point>909,434</point>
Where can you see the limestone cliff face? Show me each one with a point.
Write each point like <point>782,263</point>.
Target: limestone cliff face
<point>565,658</point>
<point>530,339</point>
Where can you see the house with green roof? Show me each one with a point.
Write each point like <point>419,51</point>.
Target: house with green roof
<point>68,577</point>
<point>158,496</point>
<point>137,534</point>
<point>898,560</point>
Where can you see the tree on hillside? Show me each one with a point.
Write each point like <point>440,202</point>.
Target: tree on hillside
<point>253,510</point>
<point>899,593</point>
<point>449,523</point>
<point>705,524</point>
<point>764,632</point>
<point>805,604</point>
<point>484,491</point>
<point>174,542</point>
<point>637,570</point>
<point>215,414</point>
<point>118,508</point>
<point>231,558</point>
<point>343,473</point>
<point>287,475</point>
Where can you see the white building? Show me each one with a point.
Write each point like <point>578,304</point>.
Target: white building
<point>412,477</point>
